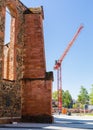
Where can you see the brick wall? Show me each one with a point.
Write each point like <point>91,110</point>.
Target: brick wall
<point>11,59</point>
<point>34,58</point>
<point>24,82</point>
<point>37,94</point>
<point>37,88</point>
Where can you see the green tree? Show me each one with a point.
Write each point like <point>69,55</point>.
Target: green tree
<point>91,95</point>
<point>67,99</point>
<point>76,105</point>
<point>83,97</point>
<point>55,95</point>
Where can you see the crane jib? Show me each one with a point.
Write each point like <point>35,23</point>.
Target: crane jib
<point>57,65</point>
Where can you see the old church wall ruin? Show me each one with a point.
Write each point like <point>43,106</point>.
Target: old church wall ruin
<point>25,86</point>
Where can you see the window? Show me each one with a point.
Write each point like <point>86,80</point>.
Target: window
<point>9,50</point>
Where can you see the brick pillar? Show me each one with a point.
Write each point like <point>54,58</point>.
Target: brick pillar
<point>34,57</point>
<point>2,28</point>
<point>37,84</point>
<point>6,62</point>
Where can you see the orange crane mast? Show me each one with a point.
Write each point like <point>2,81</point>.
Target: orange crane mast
<point>58,68</point>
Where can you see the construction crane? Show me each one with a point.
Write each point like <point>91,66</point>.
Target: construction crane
<point>58,68</point>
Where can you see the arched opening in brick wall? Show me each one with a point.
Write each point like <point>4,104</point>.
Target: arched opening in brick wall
<point>6,43</point>
<point>9,41</point>
<point>7,27</point>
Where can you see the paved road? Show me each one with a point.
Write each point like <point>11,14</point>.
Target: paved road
<point>61,122</point>
<point>74,122</point>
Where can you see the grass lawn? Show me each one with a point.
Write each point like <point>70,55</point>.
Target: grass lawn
<point>89,114</point>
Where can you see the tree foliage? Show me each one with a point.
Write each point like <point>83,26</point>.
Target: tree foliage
<point>66,98</point>
<point>83,97</point>
<point>55,95</point>
<point>91,96</point>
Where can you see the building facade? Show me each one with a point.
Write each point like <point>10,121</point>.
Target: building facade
<point>25,86</point>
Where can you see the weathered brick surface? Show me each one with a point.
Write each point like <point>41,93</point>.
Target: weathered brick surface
<point>37,88</point>
<point>10,99</point>
<point>11,59</point>
<point>25,87</point>
<point>34,58</point>
<point>38,95</point>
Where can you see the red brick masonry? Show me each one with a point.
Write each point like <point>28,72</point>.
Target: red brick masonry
<point>25,86</point>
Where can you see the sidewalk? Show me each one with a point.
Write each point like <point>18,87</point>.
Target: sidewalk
<point>61,122</point>
<point>33,126</point>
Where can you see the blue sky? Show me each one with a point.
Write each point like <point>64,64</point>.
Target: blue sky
<point>62,19</point>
